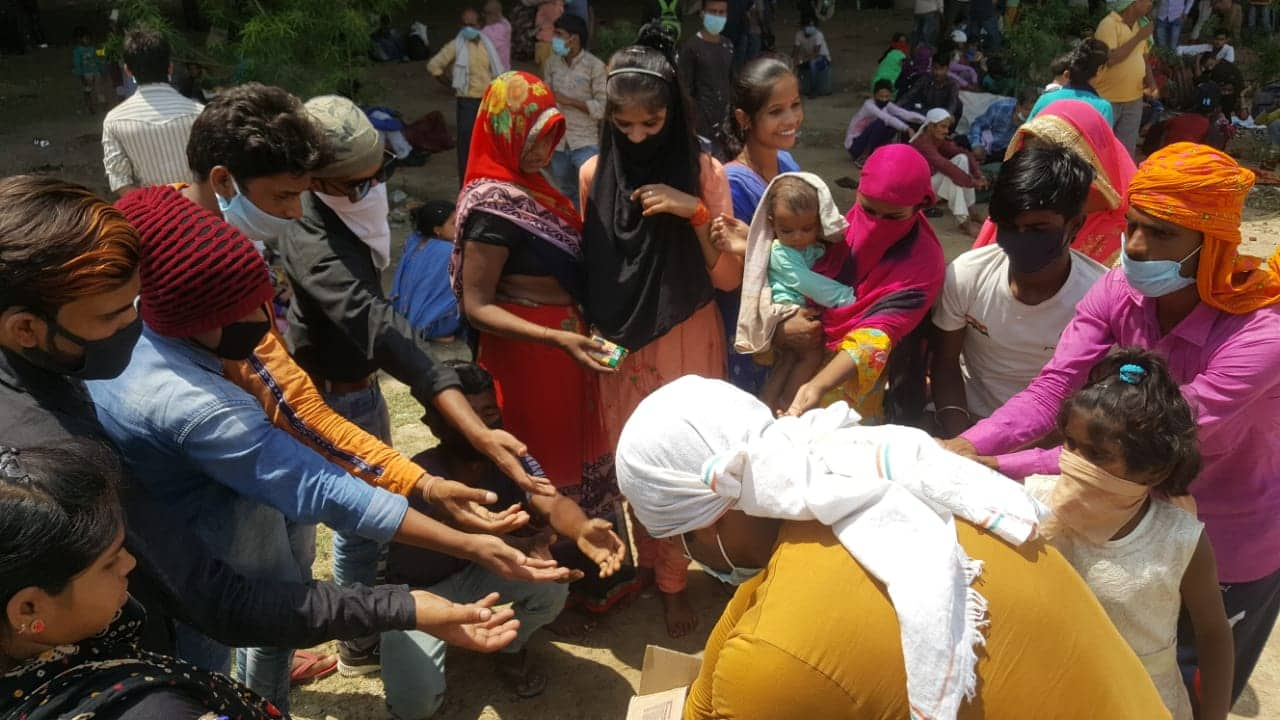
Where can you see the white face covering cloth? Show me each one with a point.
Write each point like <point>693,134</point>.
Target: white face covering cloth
<point>697,448</point>
<point>367,219</point>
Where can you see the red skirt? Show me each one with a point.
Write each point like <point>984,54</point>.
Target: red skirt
<point>548,401</point>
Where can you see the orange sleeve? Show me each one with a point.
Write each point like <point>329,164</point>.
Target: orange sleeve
<point>294,404</point>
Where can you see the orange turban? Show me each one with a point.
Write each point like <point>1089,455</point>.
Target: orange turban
<point>1202,189</point>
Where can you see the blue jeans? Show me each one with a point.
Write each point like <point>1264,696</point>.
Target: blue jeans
<point>1168,32</point>
<point>565,165</point>
<point>258,542</point>
<point>815,83</point>
<point>357,559</point>
<point>413,661</point>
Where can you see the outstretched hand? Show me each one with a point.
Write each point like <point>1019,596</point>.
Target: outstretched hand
<point>464,506</point>
<point>602,546</point>
<point>497,556</point>
<point>474,626</point>
<point>505,451</point>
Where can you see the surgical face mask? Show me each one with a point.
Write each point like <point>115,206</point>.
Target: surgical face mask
<point>1030,250</point>
<point>559,47</point>
<point>736,575</point>
<point>714,24</point>
<point>240,212</point>
<point>809,30</point>
<point>102,359</point>
<point>470,33</point>
<point>239,339</point>
<point>1155,278</point>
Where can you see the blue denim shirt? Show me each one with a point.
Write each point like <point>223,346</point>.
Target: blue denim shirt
<point>999,120</point>
<point>192,437</point>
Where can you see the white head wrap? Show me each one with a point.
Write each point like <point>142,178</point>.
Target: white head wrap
<point>698,448</point>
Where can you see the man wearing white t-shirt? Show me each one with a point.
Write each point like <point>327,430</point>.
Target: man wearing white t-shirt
<point>1003,306</point>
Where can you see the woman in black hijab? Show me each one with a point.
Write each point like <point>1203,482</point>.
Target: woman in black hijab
<point>651,266</point>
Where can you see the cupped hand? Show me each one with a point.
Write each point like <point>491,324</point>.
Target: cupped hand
<point>464,506</point>
<point>496,555</point>
<point>475,626</point>
<point>602,546</point>
<point>659,198</point>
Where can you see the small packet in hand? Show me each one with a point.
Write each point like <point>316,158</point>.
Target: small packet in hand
<point>611,354</point>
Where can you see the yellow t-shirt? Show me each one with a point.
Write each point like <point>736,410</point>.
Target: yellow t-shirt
<point>1121,82</point>
<point>814,636</point>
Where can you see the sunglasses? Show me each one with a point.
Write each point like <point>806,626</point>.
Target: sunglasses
<point>357,191</point>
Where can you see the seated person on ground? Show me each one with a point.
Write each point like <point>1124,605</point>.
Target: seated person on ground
<point>413,663</point>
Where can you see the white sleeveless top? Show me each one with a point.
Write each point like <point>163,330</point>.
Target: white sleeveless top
<point>1137,579</point>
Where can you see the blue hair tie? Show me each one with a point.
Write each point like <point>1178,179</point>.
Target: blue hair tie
<point>1132,374</point>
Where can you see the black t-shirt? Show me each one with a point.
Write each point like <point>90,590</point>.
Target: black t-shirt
<point>706,74</point>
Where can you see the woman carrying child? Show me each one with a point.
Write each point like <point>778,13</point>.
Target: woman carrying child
<point>893,261</point>
<point>1129,448</point>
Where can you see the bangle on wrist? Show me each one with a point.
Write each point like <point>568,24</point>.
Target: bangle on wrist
<point>956,408</point>
<point>701,215</point>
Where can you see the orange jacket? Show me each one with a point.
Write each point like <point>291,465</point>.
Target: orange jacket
<point>294,404</point>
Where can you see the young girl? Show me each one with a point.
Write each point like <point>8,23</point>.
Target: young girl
<point>70,640</point>
<point>651,266</point>
<point>421,290</point>
<point>1129,444</point>
<point>793,215</point>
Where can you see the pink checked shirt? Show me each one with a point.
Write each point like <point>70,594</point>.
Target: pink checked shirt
<point>1229,369</point>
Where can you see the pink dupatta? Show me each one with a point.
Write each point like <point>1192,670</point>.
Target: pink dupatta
<point>895,267</point>
<point>1078,126</point>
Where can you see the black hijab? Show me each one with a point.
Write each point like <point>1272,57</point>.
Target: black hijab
<point>645,275</point>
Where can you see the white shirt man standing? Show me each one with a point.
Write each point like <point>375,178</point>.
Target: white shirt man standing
<point>144,138</point>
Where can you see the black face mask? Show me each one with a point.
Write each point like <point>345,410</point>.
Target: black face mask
<point>239,339</point>
<point>882,103</point>
<point>645,152</point>
<point>1031,250</point>
<point>101,360</point>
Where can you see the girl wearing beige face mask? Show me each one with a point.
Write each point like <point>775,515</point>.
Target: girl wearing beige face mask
<point>1120,517</point>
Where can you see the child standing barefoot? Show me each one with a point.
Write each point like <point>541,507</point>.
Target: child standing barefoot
<point>1129,442</point>
<point>794,214</point>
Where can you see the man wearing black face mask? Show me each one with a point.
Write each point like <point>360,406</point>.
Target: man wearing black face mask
<point>67,312</point>
<point>205,447</point>
<point>1003,307</point>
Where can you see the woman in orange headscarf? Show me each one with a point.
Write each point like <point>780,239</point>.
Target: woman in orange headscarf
<point>1078,126</point>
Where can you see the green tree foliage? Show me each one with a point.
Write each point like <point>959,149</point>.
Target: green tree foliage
<point>1044,31</point>
<point>309,47</point>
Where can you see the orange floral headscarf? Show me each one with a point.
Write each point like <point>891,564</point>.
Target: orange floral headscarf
<point>1203,189</point>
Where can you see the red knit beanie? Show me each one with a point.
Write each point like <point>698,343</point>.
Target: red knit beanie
<point>198,272</point>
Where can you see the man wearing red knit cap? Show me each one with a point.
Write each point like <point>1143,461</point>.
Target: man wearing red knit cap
<point>204,446</point>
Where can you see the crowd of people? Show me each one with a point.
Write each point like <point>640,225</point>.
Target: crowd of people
<point>1040,478</point>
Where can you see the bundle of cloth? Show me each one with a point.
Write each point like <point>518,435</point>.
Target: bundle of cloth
<point>698,448</point>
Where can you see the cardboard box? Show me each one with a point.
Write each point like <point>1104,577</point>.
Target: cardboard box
<point>664,682</point>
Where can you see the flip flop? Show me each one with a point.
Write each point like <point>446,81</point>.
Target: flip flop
<point>309,667</point>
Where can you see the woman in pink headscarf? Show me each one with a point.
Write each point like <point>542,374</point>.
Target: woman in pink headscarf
<point>1079,127</point>
<point>893,261</point>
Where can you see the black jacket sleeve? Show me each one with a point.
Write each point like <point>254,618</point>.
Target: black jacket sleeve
<point>184,582</point>
<point>325,260</point>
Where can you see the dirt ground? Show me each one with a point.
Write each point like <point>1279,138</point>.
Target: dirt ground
<point>592,678</point>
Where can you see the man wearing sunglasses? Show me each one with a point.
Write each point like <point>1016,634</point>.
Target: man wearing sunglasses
<point>343,330</point>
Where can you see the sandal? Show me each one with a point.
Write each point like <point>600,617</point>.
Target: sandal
<point>309,667</point>
<point>521,678</point>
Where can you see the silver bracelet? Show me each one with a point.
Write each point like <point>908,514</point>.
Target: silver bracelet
<point>945,408</point>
